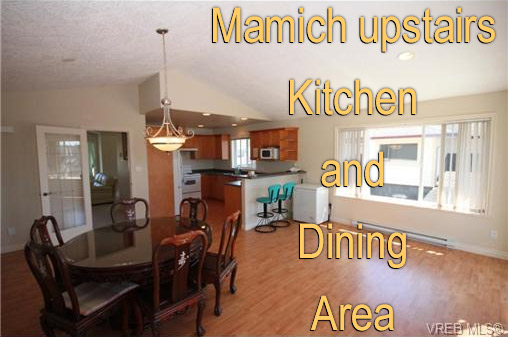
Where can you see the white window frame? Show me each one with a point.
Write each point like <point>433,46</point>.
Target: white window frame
<point>423,122</point>
<point>251,164</point>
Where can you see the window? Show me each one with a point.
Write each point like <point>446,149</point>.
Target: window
<point>437,165</point>
<point>240,154</point>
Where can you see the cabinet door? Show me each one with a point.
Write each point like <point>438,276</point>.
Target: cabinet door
<point>289,144</point>
<point>254,145</point>
<point>266,138</point>
<point>275,138</point>
<point>190,143</point>
<point>224,147</point>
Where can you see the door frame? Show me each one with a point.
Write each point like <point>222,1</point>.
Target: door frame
<point>41,130</point>
<point>129,149</point>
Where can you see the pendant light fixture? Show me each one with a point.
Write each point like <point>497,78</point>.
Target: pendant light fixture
<point>167,137</point>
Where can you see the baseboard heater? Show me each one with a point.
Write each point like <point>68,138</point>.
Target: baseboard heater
<point>415,236</point>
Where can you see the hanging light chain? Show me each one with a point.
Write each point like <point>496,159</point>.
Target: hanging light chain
<point>167,124</point>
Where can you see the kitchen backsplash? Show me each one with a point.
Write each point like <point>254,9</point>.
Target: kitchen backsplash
<point>263,166</point>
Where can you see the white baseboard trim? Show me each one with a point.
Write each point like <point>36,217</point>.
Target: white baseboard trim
<point>12,248</point>
<point>452,244</point>
<point>480,250</point>
<point>343,221</point>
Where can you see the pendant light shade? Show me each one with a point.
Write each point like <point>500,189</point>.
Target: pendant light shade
<point>167,137</point>
<point>167,144</point>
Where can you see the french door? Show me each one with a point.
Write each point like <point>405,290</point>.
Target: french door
<point>64,178</point>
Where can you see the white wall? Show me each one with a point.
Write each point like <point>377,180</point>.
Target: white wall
<point>113,108</point>
<point>190,94</point>
<point>470,232</point>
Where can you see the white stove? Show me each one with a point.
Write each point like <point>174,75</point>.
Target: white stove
<point>191,184</point>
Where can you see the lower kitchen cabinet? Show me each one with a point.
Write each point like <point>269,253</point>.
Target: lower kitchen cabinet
<point>212,186</point>
<point>233,198</point>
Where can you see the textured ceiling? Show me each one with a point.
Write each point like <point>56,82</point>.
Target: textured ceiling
<point>114,43</point>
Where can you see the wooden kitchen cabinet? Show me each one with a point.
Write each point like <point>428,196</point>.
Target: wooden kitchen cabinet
<point>255,145</point>
<point>212,185</point>
<point>233,199</point>
<point>210,147</point>
<point>190,143</point>
<point>286,139</point>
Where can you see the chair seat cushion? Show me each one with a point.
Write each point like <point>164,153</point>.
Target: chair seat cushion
<point>92,296</point>
<point>264,200</point>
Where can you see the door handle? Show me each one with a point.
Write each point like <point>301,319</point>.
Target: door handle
<point>45,194</point>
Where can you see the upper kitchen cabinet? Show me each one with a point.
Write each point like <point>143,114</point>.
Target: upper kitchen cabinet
<point>285,139</point>
<point>209,146</point>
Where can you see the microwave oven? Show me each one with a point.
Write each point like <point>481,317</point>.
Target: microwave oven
<point>269,153</point>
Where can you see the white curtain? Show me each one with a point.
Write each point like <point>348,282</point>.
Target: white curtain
<point>351,147</point>
<point>465,185</point>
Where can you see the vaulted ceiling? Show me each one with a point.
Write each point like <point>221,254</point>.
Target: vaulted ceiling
<point>72,44</point>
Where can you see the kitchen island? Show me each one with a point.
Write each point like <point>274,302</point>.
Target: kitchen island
<point>238,190</point>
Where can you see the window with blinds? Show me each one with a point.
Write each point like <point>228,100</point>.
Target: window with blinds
<point>442,165</point>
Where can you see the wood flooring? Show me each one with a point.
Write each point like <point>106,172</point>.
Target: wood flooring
<point>278,293</point>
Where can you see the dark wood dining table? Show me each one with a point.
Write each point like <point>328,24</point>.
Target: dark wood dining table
<point>123,251</point>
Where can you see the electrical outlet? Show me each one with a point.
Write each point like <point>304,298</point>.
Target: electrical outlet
<point>11,231</point>
<point>493,234</point>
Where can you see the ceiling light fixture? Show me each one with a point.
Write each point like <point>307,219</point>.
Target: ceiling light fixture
<point>243,118</point>
<point>234,124</point>
<point>206,114</point>
<point>167,137</point>
<point>406,55</point>
<point>201,126</point>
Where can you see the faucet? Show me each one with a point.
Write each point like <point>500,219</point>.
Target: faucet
<point>238,170</point>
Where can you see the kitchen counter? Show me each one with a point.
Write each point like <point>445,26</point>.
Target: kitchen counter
<point>258,175</point>
<point>236,183</point>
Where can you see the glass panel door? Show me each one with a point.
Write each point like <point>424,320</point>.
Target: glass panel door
<point>64,180</point>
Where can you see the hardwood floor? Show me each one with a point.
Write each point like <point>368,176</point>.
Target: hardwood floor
<point>278,293</point>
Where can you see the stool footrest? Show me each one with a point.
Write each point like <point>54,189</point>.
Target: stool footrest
<point>264,215</point>
<point>267,228</point>
<point>280,223</point>
<point>280,210</point>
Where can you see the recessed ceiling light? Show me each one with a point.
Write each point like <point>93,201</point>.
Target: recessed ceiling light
<point>243,118</point>
<point>406,56</point>
<point>206,114</point>
<point>234,124</point>
<point>68,60</point>
<point>201,126</point>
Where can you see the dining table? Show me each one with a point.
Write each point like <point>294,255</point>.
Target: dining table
<point>122,251</point>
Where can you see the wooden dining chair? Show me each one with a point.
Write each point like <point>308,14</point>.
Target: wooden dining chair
<point>39,231</point>
<point>74,309</point>
<point>220,265</point>
<point>184,288</point>
<point>194,208</point>
<point>125,210</point>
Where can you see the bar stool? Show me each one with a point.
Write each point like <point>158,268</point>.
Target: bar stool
<point>281,214</point>
<point>264,224</point>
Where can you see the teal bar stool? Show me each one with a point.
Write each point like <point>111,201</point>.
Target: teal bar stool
<point>281,218</point>
<point>265,224</point>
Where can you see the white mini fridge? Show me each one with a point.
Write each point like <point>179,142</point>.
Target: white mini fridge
<point>310,203</point>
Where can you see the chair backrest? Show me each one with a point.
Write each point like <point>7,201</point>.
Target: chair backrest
<point>39,231</point>
<point>187,266</point>
<point>287,190</point>
<point>125,210</point>
<point>50,271</point>
<point>273,193</point>
<point>194,208</point>
<point>229,234</point>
